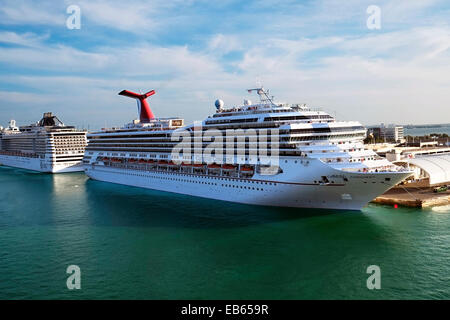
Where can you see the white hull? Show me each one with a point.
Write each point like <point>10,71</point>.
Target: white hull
<point>260,190</point>
<point>40,165</point>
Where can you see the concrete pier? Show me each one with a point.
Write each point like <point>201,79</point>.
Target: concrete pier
<point>414,197</point>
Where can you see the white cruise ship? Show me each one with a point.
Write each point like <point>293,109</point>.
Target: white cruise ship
<point>267,153</point>
<point>46,146</point>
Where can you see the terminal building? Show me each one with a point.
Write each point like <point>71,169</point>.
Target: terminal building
<point>429,170</point>
<point>431,164</point>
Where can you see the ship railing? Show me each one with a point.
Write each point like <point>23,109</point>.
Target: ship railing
<point>19,154</point>
<point>179,168</point>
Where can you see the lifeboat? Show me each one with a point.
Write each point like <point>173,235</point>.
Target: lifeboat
<point>198,165</point>
<point>131,160</point>
<point>162,162</point>
<point>142,161</point>
<point>247,169</point>
<point>186,164</point>
<point>228,167</point>
<point>214,166</point>
<point>171,163</point>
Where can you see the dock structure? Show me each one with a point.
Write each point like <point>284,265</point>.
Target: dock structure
<point>414,197</point>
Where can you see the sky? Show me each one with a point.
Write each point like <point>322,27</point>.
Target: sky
<point>191,53</point>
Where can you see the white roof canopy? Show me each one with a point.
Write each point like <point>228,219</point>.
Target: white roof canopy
<point>437,167</point>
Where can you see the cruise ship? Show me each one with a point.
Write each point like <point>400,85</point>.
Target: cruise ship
<point>265,153</point>
<point>45,146</point>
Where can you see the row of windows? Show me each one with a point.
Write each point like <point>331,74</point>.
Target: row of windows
<point>257,130</point>
<point>232,112</point>
<point>324,129</point>
<point>311,117</point>
<point>243,120</point>
<point>327,137</point>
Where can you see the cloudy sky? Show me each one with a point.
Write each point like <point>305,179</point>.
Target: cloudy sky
<point>191,52</point>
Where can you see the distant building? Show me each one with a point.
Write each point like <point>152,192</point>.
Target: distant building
<point>391,133</point>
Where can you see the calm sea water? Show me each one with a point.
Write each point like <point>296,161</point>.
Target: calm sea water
<point>427,131</point>
<point>133,243</point>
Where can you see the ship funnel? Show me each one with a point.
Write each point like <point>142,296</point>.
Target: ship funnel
<point>145,113</point>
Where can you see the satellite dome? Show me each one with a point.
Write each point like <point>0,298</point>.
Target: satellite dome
<point>219,104</point>
<point>247,102</point>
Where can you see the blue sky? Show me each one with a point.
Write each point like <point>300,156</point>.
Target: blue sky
<point>192,52</point>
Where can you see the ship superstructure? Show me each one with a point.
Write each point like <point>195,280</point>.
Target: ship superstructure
<point>46,146</point>
<point>266,153</point>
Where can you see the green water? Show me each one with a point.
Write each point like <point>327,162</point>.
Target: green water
<point>133,243</point>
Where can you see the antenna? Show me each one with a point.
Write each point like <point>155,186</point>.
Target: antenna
<point>263,95</point>
<point>258,81</point>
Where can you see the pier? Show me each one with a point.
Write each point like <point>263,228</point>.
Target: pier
<point>414,197</point>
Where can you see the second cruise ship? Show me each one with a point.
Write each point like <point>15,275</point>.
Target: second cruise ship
<point>267,153</point>
<point>46,146</point>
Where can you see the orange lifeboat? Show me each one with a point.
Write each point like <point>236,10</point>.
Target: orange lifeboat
<point>228,167</point>
<point>214,166</point>
<point>246,168</point>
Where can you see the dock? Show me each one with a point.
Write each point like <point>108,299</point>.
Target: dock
<point>414,197</point>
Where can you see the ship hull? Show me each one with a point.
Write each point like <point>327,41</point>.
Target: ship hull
<point>352,195</point>
<point>40,165</point>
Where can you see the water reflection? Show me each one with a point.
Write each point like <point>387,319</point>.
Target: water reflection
<point>68,199</point>
<point>122,205</point>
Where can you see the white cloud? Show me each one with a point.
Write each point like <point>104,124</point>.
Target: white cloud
<point>24,39</point>
<point>129,16</point>
<point>17,12</point>
<point>221,44</point>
